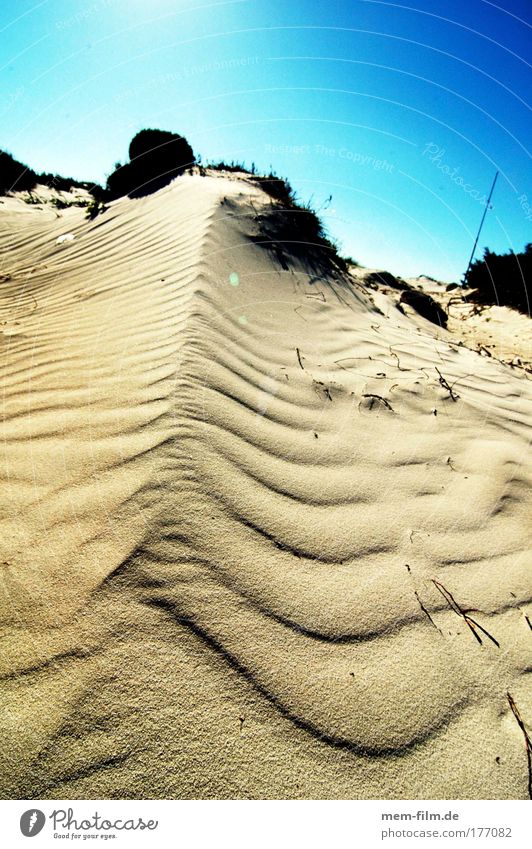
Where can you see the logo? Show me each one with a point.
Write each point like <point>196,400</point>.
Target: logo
<point>32,822</point>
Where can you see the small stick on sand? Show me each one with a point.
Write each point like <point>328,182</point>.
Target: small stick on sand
<point>471,623</point>
<point>528,742</point>
<point>424,609</point>
<point>529,622</point>
<point>299,359</point>
<point>399,366</point>
<point>379,398</point>
<point>453,396</point>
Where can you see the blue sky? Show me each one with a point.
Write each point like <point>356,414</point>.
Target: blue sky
<point>402,111</point>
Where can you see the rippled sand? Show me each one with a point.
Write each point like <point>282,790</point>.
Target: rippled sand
<point>251,546</point>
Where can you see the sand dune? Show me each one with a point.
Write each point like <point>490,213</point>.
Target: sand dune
<point>243,521</point>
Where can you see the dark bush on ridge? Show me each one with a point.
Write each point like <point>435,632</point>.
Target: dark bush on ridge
<point>503,279</point>
<point>17,177</point>
<point>291,229</point>
<point>232,166</point>
<point>14,176</point>
<point>64,184</point>
<point>156,158</point>
<point>424,305</point>
<point>278,189</point>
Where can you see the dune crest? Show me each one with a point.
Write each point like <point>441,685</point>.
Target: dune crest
<point>249,512</point>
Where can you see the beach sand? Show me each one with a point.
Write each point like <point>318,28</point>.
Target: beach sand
<point>262,534</point>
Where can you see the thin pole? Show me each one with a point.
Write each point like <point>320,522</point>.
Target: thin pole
<point>464,279</point>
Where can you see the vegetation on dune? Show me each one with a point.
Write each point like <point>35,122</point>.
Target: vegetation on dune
<point>232,166</point>
<point>423,303</point>
<point>14,175</point>
<point>156,157</point>
<point>287,227</point>
<point>291,228</point>
<point>502,279</point>
<point>17,177</point>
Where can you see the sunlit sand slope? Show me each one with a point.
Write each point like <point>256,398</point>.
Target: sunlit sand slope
<point>262,536</point>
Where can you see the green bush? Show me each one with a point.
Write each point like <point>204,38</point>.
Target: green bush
<point>156,157</point>
<point>292,229</point>
<point>14,176</point>
<point>17,177</point>
<point>502,279</point>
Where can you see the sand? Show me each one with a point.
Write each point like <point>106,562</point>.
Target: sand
<point>243,521</point>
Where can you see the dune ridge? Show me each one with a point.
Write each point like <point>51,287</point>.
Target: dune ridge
<point>233,494</point>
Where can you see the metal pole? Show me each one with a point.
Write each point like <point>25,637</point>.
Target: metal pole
<point>464,279</point>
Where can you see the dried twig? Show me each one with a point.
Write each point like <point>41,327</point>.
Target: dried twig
<point>299,359</point>
<point>319,386</point>
<point>446,386</point>
<point>528,742</point>
<point>399,366</point>
<point>471,623</point>
<point>425,611</point>
<point>379,398</point>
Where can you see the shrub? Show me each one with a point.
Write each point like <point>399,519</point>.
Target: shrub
<point>120,182</point>
<point>155,158</point>
<point>291,229</point>
<point>351,261</point>
<point>64,184</point>
<point>277,188</point>
<point>14,176</point>
<point>424,305</point>
<point>503,279</point>
<point>94,208</point>
<point>228,166</point>
<point>385,278</point>
<point>419,300</point>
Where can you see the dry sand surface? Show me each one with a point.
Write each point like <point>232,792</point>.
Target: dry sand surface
<point>252,545</point>
<point>492,330</point>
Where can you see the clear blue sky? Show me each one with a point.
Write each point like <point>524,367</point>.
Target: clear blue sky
<point>402,111</point>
